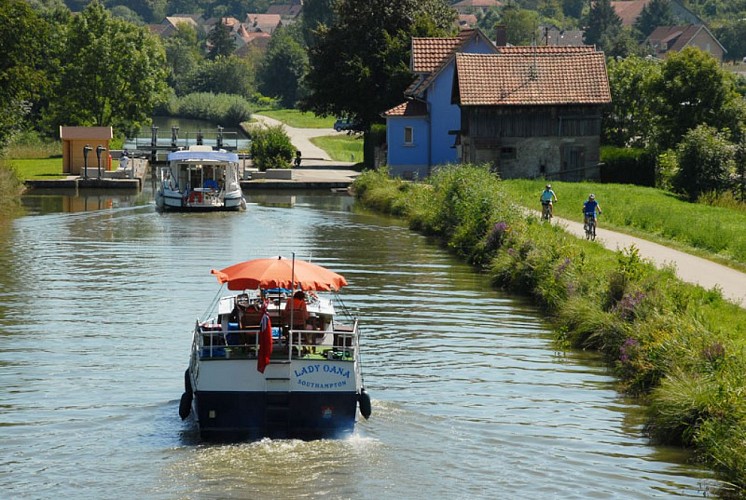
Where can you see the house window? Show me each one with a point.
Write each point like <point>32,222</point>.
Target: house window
<point>507,153</point>
<point>408,135</point>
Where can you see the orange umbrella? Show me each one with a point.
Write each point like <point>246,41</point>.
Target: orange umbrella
<point>279,272</point>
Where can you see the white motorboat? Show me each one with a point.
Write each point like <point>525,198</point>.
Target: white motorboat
<point>275,359</point>
<point>199,179</point>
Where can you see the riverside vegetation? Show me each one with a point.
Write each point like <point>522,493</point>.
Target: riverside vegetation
<point>679,348</point>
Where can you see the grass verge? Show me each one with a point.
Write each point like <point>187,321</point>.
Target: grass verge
<point>341,147</point>
<point>678,347</point>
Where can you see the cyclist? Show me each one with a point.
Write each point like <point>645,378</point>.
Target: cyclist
<point>590,207</point>
<point>547,196</point>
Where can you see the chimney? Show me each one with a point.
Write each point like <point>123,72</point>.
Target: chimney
<point>501,35</point>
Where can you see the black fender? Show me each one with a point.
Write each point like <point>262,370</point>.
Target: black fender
<point>365,407</point>
<point>185,405</point>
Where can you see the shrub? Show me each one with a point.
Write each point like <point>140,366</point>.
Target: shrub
<point>627,166</point>
<point>271,147</point>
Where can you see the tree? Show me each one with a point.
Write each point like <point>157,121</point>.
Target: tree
<point>284,65</point>
<point>629,120</point>
<point>654,14</point>
<point>220,42</point>
<point>22,35</point>
<point>316,13</point>
<point>521,25</point>
<point>732,34</point>
<point>706,161</point>
<point>603,24</point>
<point>691,90</point>
<point>573,8</point>
<point>224,75</point>
<point>113,73</point>
<point>184,56</point>
<point>360,64</point>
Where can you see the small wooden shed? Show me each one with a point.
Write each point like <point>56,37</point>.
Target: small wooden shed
<point>74,139</point>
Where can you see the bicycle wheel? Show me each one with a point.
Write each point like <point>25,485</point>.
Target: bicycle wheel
<point>592,231</point>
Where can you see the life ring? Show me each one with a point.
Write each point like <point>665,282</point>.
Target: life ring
<point>195,196</point>
<point>365,407</point>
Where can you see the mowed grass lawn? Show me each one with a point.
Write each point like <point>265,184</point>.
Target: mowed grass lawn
<point>343,147</point>
<point>649,213</point>
<point>298,119</point>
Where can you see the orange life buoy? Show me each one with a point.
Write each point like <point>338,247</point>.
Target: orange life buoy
<point>195,196</point>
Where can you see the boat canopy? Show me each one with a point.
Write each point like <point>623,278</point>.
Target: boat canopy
<point>203,156</point>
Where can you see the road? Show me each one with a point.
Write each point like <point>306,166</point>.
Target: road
<point>688,267</point>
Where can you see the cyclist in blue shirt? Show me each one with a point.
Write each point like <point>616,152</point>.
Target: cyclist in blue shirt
<point>590,207</point>
<point>547,196</point>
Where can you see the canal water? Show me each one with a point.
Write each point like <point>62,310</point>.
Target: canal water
<point>470,398</point>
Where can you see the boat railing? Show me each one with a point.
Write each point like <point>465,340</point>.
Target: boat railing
<point>212,342</point>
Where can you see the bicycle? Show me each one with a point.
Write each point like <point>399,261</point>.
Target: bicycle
<point>590,227</point>
<point>546,210</point>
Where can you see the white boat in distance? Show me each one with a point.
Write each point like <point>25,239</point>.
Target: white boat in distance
<point>199,179</point>
<point>275,361</point>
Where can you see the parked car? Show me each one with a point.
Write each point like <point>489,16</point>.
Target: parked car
<point>344,124</point>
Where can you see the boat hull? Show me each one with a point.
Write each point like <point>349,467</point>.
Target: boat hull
<point>279,415</point>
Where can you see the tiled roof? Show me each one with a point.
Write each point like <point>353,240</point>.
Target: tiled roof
<point>540,77</point>
<point>546,49</point>
<point>429,53</point>
<point>629,10</point>
<point>408,108</point>
<point>675,37</point>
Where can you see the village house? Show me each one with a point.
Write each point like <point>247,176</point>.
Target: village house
<point>532,111</point>
<point>418,130</point>
<point>629,10</point>
<point>665,40</point>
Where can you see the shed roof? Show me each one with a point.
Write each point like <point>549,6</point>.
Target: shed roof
<point>553,76</point>
<point>85,133</point>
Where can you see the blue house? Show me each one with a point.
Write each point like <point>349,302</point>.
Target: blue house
<point>421,132</point>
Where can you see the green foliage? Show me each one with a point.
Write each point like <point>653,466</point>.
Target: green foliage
<point>298,119</point>
<point>22,35</point>
<point>220,42</point>
<point>283,67</point>
<point>681,346</point>
<point>112,74</point>
<point>223,75</point>
<point>627,166</point>
<point>654,14</point>
<point>10,191</point>
<point>521,25</point>
<point>706,162</point>
<point>359,65</point>
<point>227,109</point>
<point>603,24</point>
<point>691,90</point>
<point>271,147</point>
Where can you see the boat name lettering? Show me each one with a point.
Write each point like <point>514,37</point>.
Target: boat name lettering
<point>316,385</point>
<point>337,370</point>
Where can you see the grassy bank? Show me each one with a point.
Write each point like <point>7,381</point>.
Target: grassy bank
<point>657,215</point>
<point>11,188</point>
<point>680,348</point>
<point>341,147</point>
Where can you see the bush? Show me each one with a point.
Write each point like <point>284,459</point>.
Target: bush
<point>706,161</point>
<point>627,166</point>
<point>271,147</point>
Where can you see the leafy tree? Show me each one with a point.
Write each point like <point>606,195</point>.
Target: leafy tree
<point>220,42</point>
<point>283,67</point>
<point>184,56</point>
<point>224,75</point>
<point>316,13</point>
<point>691,90</point>
<point>22,35</point>
<point>603,24</point>
<point>732,34</point>
<point>629,120</point>
<point>360,64</point>
<point>573,8</point>
<point>488,20</point>
<point>706,161</point>
<point>112,74</point>
<point>126,14</point>
<point>521,25</point>
<point>654,14</point>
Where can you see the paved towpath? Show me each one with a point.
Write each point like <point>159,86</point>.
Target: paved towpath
<point>688,267</point>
